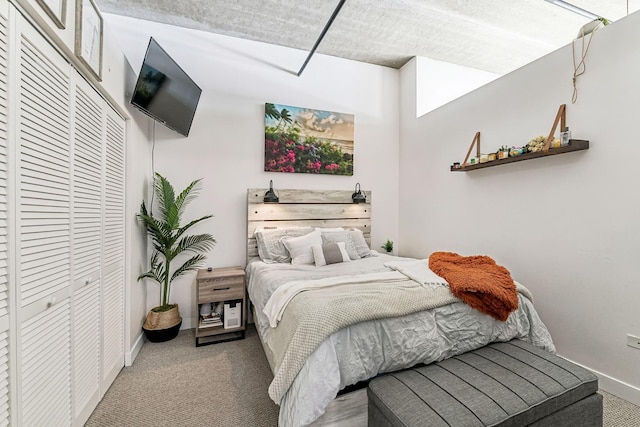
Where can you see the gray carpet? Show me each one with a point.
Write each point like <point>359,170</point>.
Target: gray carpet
<point>177,384</point>
<point>618,412</point>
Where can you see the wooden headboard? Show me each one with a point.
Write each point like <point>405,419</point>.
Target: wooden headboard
<point>313,208</point>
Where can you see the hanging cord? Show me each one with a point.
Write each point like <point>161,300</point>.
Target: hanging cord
<point>582,66</point>
<point>153,167</point>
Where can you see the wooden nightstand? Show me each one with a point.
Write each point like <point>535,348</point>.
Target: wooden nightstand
<point>227,286</point>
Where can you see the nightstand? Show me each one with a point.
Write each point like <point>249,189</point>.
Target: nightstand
<point>226,286</point>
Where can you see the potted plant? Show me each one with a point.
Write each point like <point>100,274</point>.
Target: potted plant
<point>388,246</point>
<point>169,243</point>
<point>503,152</point>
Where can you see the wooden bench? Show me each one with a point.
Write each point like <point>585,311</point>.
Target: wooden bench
<point>502,384</point>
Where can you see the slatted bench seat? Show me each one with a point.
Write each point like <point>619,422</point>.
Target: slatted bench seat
<point>503,384</point>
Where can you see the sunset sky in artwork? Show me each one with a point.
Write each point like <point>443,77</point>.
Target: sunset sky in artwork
<point>321,124</point>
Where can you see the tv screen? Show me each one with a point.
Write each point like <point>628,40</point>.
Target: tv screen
<point>164,91</point>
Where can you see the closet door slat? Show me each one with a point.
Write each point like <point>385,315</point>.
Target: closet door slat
<point>88,172</point>
<point>5,383</point>
<point>113,252</point>
<point>43,267</point>
<point>44,173</point>
<point>114,193</point>
<point>5,391</point>
<point>87,184</point>
<point>4,190</point>
<point>46,368</point>
<point>86,348</point>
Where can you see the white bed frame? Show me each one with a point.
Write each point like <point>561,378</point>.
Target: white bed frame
<point>314,208</point>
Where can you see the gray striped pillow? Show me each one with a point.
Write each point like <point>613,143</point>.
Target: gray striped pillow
<point>330,253</point>
<point>341,236</point>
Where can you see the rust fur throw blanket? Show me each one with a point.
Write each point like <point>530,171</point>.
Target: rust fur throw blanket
<point>478,281</point>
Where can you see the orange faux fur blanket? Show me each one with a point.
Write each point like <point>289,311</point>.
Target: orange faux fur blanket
<point>477,281</point>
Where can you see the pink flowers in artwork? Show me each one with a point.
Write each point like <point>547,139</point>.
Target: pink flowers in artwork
<point>314,166</point>
<point>282,154</point>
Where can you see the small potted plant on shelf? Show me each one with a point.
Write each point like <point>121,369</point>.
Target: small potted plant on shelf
<point>170,242</point>
<point>388,246</point>
<point>503,152</point>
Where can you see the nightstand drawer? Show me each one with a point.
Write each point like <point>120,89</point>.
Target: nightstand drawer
<point>220,289</point>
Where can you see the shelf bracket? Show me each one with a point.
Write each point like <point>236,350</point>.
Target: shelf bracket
<point>562,117</point>
<point>476,139</point>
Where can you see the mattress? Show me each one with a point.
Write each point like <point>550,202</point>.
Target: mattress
<point>363,350</point>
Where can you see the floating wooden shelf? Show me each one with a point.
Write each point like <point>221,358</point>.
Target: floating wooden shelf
<point>574,145</point>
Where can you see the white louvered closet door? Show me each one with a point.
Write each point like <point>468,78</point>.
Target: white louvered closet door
<point>113,258</point>
<point>43,226</point>
<point>88,148</point>
<point>5,413</point>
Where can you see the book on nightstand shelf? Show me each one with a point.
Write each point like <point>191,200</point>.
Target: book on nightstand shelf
<point>210,317</point>
<point>210,320</point>
<point>210,324</point>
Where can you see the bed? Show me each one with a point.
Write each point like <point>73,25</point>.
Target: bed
<point>323,345</point>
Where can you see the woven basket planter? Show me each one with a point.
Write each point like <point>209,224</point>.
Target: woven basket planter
<point>162,326</point>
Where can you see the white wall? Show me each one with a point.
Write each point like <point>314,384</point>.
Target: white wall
<point>226,143</point>
<point>566,226</point>
<point>440,82</point>
<point>137,179</point>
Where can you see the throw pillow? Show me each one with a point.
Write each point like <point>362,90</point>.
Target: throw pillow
<point>330,253</point>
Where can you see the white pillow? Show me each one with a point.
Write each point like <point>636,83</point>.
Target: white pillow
<point>330,253</point>
<point>300,247</point>
<point>269,242</point>
<point>360,243</point>
<point>330,229</point>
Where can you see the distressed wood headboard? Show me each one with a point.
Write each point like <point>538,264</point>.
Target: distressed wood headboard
<point>313,208</point>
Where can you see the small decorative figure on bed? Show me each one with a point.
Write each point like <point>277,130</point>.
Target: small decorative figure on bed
<point>388,246</point>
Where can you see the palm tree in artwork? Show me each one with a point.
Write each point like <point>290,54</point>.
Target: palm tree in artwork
<point>285,117</point>
<point>271,111</point>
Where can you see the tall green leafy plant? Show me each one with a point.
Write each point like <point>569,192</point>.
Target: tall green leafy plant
<point>169,238</point>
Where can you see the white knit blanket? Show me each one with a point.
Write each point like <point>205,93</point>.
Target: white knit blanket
<point>312,316</point>
<point>281,297</point>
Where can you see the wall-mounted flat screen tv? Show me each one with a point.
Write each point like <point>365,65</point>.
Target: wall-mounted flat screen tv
<point>164,91</point>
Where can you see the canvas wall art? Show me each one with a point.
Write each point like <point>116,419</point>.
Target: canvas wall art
<point>302,140</point>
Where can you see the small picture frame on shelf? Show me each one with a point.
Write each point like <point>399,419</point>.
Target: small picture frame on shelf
<point>89,36</point>
<point>56,10</point>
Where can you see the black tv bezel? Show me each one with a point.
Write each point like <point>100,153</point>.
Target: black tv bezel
<point>138,81</point>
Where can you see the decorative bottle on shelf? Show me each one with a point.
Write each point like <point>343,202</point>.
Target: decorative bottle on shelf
<point>565,136</point>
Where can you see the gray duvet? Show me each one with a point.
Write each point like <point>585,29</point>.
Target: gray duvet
<point>363,350</point>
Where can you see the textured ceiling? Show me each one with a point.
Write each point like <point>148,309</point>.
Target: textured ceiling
<point>492,35</point>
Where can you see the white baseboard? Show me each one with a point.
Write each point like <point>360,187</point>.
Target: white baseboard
<point>187,323</point>
<point>619,388</point>
<point>616,387</point>
<point>130,356</point>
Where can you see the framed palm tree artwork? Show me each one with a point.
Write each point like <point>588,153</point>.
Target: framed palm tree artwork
<point>303,140</point>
